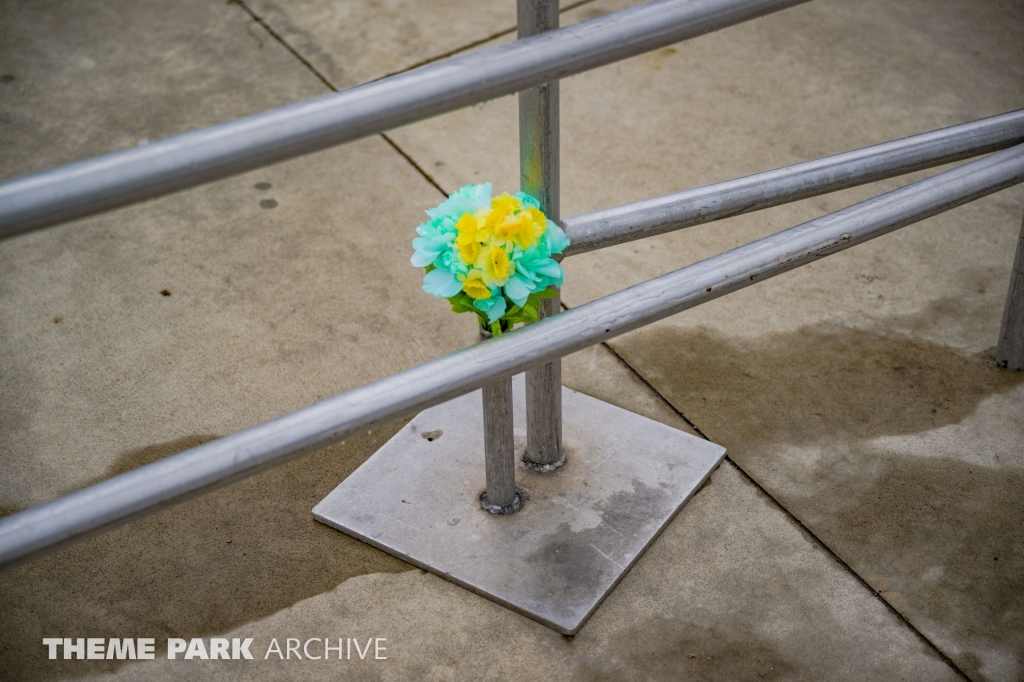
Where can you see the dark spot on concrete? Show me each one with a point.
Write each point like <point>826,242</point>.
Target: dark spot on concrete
<point>6,78</point>
<point>577,563</point>
<point>58,320</point>
<point>165,292</point>
<point>432,435</point>
<point>739,651</point>
<point>268,203</point>
<point>263,186</point>
<point>439,163</point>
<point>708,289</point>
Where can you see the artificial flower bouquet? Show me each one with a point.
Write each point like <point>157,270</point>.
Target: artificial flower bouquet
<point>490,256</point>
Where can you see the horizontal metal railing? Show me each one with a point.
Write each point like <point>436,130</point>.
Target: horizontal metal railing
<point>191,473</point>
<point>792,183</point>
<point>121,178</point>
<point>88,187</point>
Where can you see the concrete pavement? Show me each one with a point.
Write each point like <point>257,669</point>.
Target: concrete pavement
<point>872,449</point>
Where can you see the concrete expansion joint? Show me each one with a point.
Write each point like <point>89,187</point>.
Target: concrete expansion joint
<point>284,43</point>
<point>333,88</point>
<point>412,162</point>
<point>793,518</point>
<point>849,569</point>
<point>476,43</point>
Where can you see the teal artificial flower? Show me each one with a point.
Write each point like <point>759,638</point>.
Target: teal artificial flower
<point>468,199</point>
<point>490,255</point>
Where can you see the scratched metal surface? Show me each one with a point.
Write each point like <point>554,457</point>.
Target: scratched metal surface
<point>582,526</point>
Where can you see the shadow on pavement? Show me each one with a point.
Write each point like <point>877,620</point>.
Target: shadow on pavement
<point>234,556</point>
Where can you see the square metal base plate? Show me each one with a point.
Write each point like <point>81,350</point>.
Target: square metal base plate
<point>581,527</point>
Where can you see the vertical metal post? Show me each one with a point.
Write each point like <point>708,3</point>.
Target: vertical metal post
<point>500,497</point>
<point>538,172</point>
<point>1010,349</point>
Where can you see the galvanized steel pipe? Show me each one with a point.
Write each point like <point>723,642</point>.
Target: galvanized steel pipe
<point>791,183</point>
<point>499,497</point>
<point>539,176</point>
<point>125,177</point>
<point>191,473</point>
<point>1010,348</point>
<point>499,449</point>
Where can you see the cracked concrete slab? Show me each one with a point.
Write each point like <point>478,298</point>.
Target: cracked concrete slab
<point>855,389</point>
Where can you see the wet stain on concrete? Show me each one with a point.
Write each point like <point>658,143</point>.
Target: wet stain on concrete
<point>942,540</point>
<point>671,649</point>
<point>576,560</point>
<point>814,385</point>
<point>818,416</point>
<point>230,557</point>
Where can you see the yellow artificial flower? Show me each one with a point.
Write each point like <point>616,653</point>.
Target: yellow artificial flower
<point>495,266</point>
<point>502,207</point>
<point>469,251</point>
<point>526,230</point>
<point>474,286</point>
<point>468,228</point>
<point>540,222</point>
<point>471,234</point>
<point>522,229</point>
<point>506,230</point>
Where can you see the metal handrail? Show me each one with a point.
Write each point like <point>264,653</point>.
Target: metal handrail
<point>153,487</point>
<point>125,177</point>
<point>132,175</point>
<point>791,183</point>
